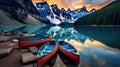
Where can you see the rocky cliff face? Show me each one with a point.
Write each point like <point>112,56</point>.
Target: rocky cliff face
<point>43,8</point>
<point>19,9</point>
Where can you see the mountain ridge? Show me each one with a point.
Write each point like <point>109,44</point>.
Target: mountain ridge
<point>22,11</point>
<point>108,15</point>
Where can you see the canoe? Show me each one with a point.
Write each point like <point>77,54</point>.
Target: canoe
<point>33,41</point>
<point>47,52</point>
<point>67,53</point>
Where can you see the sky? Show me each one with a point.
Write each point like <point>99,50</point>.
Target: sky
<point>75,4</point>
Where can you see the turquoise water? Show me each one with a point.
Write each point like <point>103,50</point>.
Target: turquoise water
<point>110,35</point>
<point>10,28</point>
<point>59,33</point>
<point>90,55</point>
<point>99,57</point>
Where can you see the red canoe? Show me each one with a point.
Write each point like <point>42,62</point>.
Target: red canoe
<point>47,52</point>
<point>67,52</point>
<point>33,41</point>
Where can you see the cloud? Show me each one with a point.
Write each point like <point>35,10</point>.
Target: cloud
<point>100,62</point>
<point>73,4</point>
<point>93,3</point>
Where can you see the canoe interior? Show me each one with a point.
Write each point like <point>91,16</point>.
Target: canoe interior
<point>46,48</point>
<point>67,54</point>
<point>66,46</point>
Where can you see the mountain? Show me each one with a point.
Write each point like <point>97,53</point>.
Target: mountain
<point>49,13</point>
<point>15,8</point>
<point>80,12</point>
<point>93,10</point>
<point>74,14</point>
<point>43,8</point>
<point>20,11</point>
<point>108,15</point>
<point>6,20</point>
<point>55,9</point>
<point>30,7</point>
<point>83,9</point>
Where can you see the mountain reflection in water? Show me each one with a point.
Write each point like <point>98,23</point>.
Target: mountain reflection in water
<point>61,33</point>
<point>110,35</point>
<point>92,52</point>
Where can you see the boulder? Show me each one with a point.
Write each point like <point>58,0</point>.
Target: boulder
<point>33,49</point>
<point>4,39</point>
<point>28,57</point>
<point>24,50</point>
<point>5,52</point>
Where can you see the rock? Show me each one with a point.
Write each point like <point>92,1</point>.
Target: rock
<point>27,65</point>
<point>28,34</point>
<point>15,40</point>
<point>24,50</point>
<point>28,57</point>
<point>5,52</point>
<point>7,33</point>
<point>1,31</point>
<point>33,49</point>
<point>16,47</point>
<point>4,39</point>
<point>12,44</point>
<point>35,65</point>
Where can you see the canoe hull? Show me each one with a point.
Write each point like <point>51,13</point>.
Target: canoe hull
<point>68,57</point>
<point>44,59</point>
<point>29,44</point>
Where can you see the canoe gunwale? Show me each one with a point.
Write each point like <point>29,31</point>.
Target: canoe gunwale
<point>29,44</point>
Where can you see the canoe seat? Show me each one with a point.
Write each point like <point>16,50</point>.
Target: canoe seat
<point>50,47</point>
<point>44,52</point>
<point>71,50</point>
<point>47,51</point>
<point>35,39</point>
<point>52,43</point>
<point>65,46</point>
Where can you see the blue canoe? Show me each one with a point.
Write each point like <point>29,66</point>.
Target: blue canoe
<point>67,53</point>
<point>46,52</point>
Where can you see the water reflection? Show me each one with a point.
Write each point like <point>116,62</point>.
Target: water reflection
<point>96,54</point>
<point>10,28</point>
<point>98,57</point>
<point>106,34</point>
<point>60,33</point>
<point>92,52</point>
<point>30,29</point>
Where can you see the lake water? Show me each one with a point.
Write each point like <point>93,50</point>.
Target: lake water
<point>92,52</point>
<point>59,33</point>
